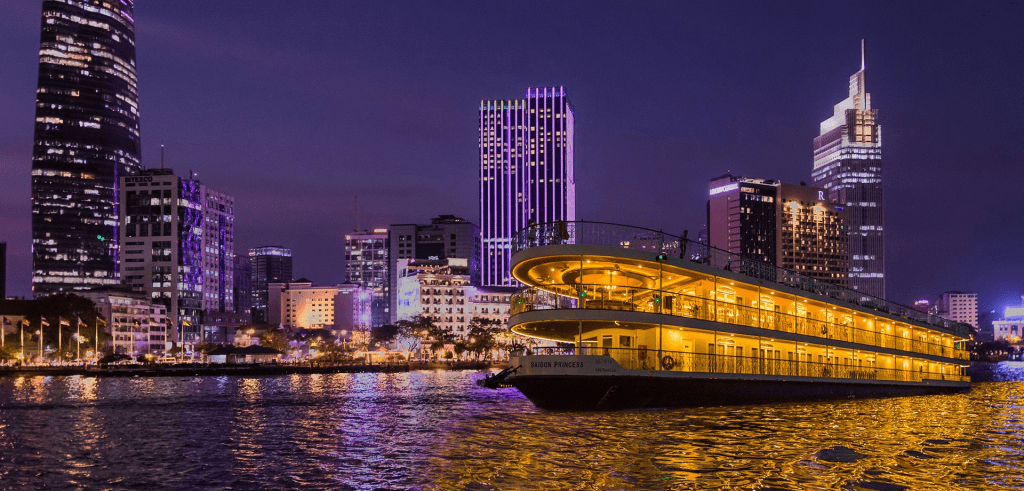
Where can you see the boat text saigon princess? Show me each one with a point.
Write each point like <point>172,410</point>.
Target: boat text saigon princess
<point>651,320</point>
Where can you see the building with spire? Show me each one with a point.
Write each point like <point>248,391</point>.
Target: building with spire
<point>527,172</point>
<point>86,139</point>
<point>848,164</point>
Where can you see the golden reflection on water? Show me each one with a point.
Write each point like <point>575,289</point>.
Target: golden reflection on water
<point>437,430</point>
<point>932,442</point>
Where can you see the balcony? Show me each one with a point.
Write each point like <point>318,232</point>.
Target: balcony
<point>602,297</point>
<point>677,361</point>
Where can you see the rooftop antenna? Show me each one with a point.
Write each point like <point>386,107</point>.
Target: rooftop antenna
<point>862,54</point>
<point>161,157</point>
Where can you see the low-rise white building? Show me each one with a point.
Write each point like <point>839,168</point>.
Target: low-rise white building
<point>442,290</point>
<point>136,324</point>
<point>1011,326</point>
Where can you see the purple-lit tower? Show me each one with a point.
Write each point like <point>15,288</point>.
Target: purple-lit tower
<point>178,238</point>
<point>86,138</point>
<point>527,172</point>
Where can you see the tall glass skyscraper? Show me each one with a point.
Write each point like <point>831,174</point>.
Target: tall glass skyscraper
<point>86,138</point>
<point>527,172</point>
<point>848,163</point>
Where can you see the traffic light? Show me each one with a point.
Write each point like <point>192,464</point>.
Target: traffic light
<point>662,256</point>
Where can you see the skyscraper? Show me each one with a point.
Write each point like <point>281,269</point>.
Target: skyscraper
<point>270,264</point>
<point>86,138</point>
<point>527,172</point>
<point>848,164</point>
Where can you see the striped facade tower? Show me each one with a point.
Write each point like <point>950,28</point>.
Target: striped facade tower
<point>527,173</point>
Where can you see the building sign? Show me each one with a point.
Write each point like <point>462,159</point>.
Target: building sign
<point>722,189</point>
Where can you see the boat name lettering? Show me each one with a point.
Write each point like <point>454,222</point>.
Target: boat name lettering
<point>556,364</point>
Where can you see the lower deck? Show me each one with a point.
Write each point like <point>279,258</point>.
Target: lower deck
<point>581,381</point>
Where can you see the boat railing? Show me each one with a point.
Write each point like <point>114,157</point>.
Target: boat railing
<point>609,297</point>
<point>679,361</point>
<point>658,242</point>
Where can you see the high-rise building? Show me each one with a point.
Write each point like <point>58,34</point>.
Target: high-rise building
<point>959,307</point>
<point>785,225</point>
<point>447,236</point>
<point>175,233</point>
<point>527,172</point>
<point>218,251</point>
<point>243,286</point>
<point>86,140</point>
<point>366,265</point>
<point>270,264</point>
<point>848,164</point>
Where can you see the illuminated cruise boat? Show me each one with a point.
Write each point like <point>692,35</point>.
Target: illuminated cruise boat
<point>646,319</point>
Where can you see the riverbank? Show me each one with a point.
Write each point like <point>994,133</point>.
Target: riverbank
<point>195,369</point>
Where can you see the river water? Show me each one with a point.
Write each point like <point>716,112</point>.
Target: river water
<point>438,430</point>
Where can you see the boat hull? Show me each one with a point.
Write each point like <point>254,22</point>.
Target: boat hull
<point>599,383</point>
<point>567,392</point>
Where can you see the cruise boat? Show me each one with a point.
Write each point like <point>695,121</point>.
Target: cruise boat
<point>646,319</point>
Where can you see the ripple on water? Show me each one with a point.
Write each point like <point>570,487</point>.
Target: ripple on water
<point>438,430</point>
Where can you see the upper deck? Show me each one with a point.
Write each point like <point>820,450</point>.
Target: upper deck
<point>599,267</point>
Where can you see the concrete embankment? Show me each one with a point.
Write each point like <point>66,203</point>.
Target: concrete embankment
<point>182,370</point>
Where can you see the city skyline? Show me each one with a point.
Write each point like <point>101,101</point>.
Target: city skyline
<point>663,103</point>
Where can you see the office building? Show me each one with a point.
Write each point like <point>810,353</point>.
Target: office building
<point>527,172</point>
<point>447,236</point>
<point>299,304</point>
<point>242,292</point>
<point>86,140</point>
<point>789,226</point>
<point>959,307</point>
<point>366,265</point>
<point>218,251</point>
<point>270,264</point>
<point>175,233</point>
<point>848,165</point>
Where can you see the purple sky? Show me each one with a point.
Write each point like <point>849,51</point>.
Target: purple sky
<point>296,110</point>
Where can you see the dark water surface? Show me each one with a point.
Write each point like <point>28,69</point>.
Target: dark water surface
<point>437,430</point>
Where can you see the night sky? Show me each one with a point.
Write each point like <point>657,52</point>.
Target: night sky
<point>297,108</point>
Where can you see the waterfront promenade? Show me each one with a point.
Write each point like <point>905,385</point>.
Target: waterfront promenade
<point>207,369</point>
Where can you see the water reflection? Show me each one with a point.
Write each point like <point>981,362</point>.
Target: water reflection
<point>437,430</point>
